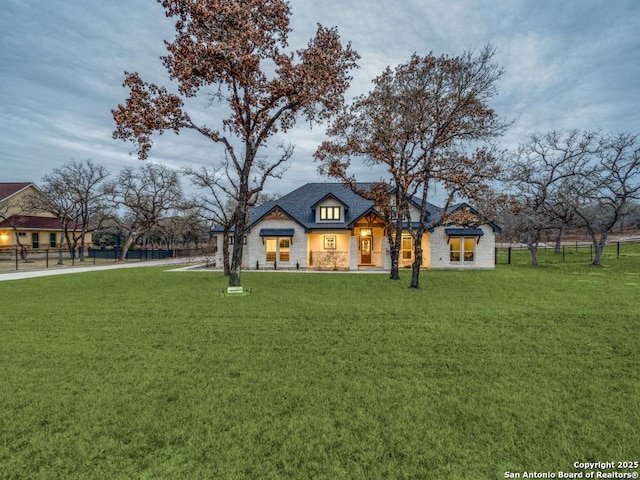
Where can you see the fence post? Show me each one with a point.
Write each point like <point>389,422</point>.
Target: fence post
<point>509,256</point>
<point>16,258</point>
<point>563,254</point>
<point>495,256</point>
<point>618,255</point>
<point>47,257</point>
<point>591,251</point>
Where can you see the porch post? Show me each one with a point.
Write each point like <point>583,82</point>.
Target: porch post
<point>353,253</point>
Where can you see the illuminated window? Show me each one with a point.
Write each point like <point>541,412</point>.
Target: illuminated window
<point>284,249</point>
<point>329,213</point>
<point>329,242</point>
<point>271,249</point>
<point>277,249</point>
<point>406,247</point>
<point>462,249</point>
<point>469,249</point>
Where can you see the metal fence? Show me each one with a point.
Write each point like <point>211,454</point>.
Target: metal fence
<point>576,251</point>
<point>16,258</point>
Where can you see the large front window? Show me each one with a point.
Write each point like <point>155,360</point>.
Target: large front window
<point>462,249</point>
<point>277,249</point>
<point>330,213</point>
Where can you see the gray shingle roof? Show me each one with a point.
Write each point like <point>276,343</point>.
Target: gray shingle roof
<point>300,205</point>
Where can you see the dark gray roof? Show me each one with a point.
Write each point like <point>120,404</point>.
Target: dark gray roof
<point>277,232</point>
<point>300,203</point>
<point>464,232</point>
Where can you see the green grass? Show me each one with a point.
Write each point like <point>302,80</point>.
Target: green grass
<point>141,373</point>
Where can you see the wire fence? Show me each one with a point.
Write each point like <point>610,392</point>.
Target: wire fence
<point>568,252</point>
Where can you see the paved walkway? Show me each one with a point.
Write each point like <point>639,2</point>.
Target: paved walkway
<point>64,271</point>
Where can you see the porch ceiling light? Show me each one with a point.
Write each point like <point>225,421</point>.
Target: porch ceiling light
<point>365,232</point>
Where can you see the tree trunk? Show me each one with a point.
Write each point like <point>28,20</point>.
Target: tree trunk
<point>225,253</point>
<point>532,245</point>
<point>61,251</point>
<point>236,254</point>
<point>394,252</point>
<point>558,247</point>
<point>395,240</point>
<point>126,245</point>
<point>417,261</point>
<point>534,255</point>
<point>598,247</point>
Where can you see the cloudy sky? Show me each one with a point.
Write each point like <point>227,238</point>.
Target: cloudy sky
<point>569,64</point>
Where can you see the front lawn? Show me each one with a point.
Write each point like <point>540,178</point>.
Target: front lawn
<point>143,373</point>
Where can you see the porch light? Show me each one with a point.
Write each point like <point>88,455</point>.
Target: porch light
<point>365,232</point>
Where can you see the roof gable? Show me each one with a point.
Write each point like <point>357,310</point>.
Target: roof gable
<point>10,189</point>
<point>300,205</point>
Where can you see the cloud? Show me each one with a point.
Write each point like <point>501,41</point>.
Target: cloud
<point>570,64</point>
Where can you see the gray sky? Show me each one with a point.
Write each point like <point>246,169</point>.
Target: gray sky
<point>569,64</point>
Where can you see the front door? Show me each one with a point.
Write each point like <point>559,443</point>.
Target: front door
<point>365,250</point>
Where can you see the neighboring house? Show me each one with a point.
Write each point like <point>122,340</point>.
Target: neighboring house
<point>326,226</point>
<point>29,229</point>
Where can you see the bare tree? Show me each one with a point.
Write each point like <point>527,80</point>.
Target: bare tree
<point>607,188</point>
<point>236,49</point>
<point>540,176</point>
<point>144,196</point>
<point>419,122</point>
<point>215,204</point>
<point>75,194</point>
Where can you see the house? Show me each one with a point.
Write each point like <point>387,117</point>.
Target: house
<point>22,227</point>
<point>326,226</point>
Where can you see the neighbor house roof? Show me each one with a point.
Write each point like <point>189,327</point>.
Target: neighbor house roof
<point>27,222</point>
<point>9,189</point>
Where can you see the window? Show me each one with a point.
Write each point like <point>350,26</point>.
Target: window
<point>329,242</point>
<point>462,249</point>
<point>22,234</point>
<point>406,247</point>
<point>271,249</point>
<point>284,249</point>
<point>35,240</point>
<point>277,249</point>
<point>231,237</point>
<point>329,213</point>
<point>52,239</point>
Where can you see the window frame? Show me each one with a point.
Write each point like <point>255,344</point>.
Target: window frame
<point>462,254</point>
<point>281,253</point>
<point>403,250</point>
<point>330,213</point>
<point>330,242</point>
<point>35,240</point>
